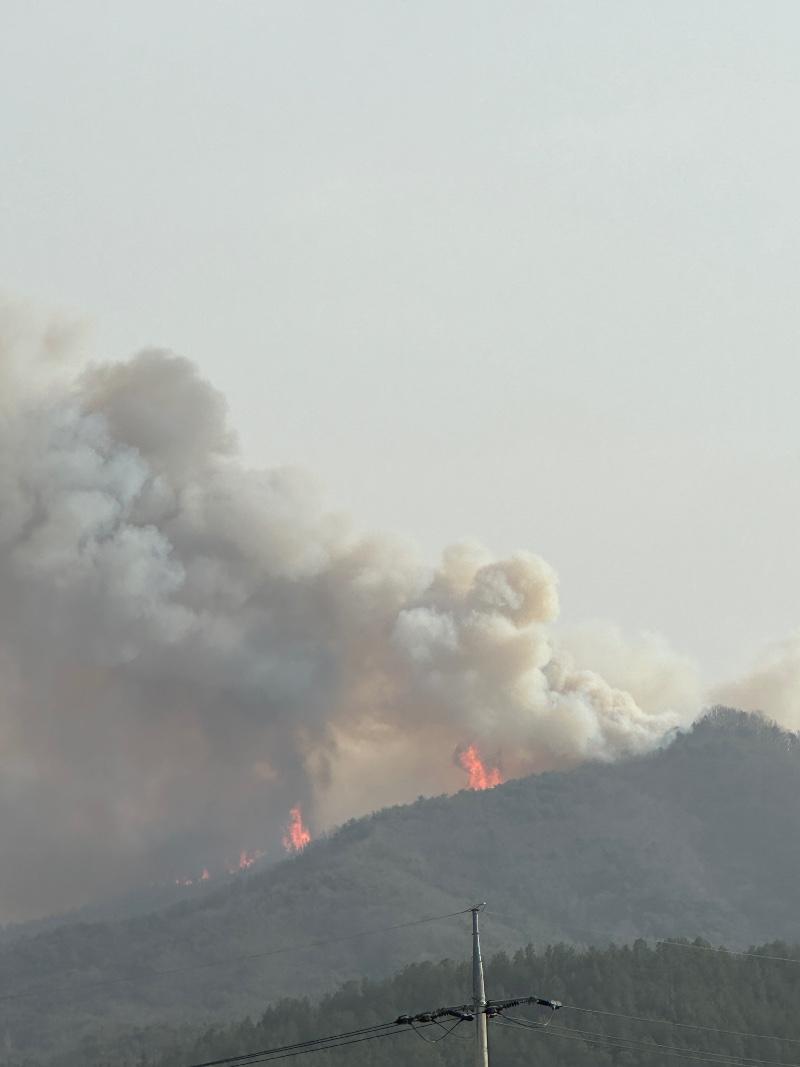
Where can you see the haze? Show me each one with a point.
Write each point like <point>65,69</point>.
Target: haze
<point>520,271</point>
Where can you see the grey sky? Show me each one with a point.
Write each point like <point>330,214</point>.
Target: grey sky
<point>524,271</point>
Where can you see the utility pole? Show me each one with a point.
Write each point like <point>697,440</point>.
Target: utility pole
<point>481,1009</point>
<point>479,994</point>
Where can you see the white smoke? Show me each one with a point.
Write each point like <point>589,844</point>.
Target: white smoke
<point>189,647</point>
<point>657,677</point>
<point>772,686</point>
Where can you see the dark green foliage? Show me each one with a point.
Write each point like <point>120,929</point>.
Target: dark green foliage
<point>709,989</point>
<point>695,840</point>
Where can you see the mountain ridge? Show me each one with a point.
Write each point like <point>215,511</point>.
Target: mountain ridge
<point>688,841</point>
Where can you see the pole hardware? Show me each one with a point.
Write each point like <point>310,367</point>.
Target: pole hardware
<point>481,1009</point>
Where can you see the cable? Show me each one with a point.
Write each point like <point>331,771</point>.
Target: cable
<point>529,1024</point>
<point>461,1037</point>
<point>320,1044</point>
<point>244,1057</point>
<point>546,1023</point>
<point>727,951</point>
<point>612,1044</point>
<point>324,1048</point>
<point>607,1043</point>
<point>228,962</point>
<point>674,1048</point>
<point>592,1037</point>
<point>684,1026</point>
<point>436,1040</point>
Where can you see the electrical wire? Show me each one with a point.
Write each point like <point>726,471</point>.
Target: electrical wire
<point>591,1037</point>
<point>727,951</point>
<point>461,1037</point>
<point>675,1048</point>
<point>608,1043</point>
<point>319,1044</point>
<point>46,990</point>
<point>534,1023</point>
<point>436,1040</point>
<point>613,1044</point>
<point>546,1023</point>
<point>325,1048</point>
<point>683,1026</point>
<point>245,1057</point>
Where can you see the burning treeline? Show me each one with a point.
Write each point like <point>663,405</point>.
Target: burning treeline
<point>295,839</point>
<point>297,834</point>
<point>481,776</point>
<point>189,648</point>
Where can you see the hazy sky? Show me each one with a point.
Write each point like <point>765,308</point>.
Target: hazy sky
<point>524,272</point>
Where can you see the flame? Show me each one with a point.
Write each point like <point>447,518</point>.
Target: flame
<point>297,835</point>
<point>204,877</point>
<point>247,859</point>
<point>480,776</point>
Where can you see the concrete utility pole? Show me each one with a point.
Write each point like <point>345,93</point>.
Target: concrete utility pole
<point>481,1009</point>
<point>479,994</point>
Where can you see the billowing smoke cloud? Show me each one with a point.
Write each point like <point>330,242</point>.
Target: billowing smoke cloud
<point>188,647</point>
<point>772,686</point>
<point>657,678</point>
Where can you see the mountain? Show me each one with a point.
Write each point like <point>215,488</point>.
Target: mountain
<point>138,901</point>
<point>697,839</point>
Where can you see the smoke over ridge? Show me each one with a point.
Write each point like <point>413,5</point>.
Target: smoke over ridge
<point>188,647</point>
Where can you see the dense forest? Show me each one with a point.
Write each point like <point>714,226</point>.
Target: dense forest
<point>692,841</point>
<point>709,993</point>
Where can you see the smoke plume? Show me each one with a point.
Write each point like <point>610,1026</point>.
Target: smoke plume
<point>189,648</point>
<point>772,686</point>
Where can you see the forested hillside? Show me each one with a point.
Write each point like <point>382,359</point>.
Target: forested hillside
<point>139,901</point>
<point>691,1000</point>
<point>695,840</point>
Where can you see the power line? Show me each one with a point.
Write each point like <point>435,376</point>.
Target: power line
<point>589,1037</point>
<point>481,1009</point>
<point>592,1037</point>
<point>605,1043</point>
<point>254,1057</point>
<point>44,991</point>
<point>425,1020</point>
<point>675,1048</point>
<point>322,1044</point>
<point>727,951</point>
<point>436,1040</point>
<point>324,1047</point>
<point>461,1037</point>
<point>684,1026</point>
<point>243,1057</point>
<point>476,1013</point>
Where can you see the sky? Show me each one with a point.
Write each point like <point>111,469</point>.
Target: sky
<point>519,272</point>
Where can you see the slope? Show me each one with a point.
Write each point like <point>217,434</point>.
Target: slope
<point>619,994</point>
<point>697,839</point>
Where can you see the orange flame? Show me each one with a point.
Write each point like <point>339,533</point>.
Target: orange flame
<point>247,859</point>
<point>297,835</point>
<point>204,877</point>
<point>480,776</point>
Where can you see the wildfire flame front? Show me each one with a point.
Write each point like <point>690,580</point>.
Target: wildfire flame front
<point>480,776</point>
<point>297,835</point>
<point>247,859</point>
